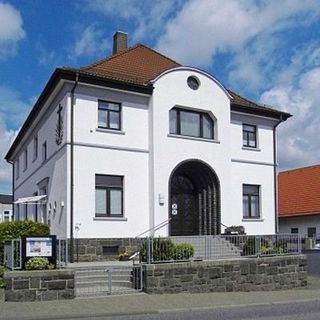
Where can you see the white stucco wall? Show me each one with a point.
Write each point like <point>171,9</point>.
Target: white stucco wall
<point>54,169</point>
<point>145,154</point>
<point>303,223</point>
<point>5,207</point>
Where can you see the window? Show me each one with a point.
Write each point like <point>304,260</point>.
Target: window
<point>109,115</point>
<point>109,196</point>
<point>35,148</point>
<point>249,135</point>
<point>191,123</point>
<point>312,232</point>
<point>17,168</point>
<point>294,230</point>
<point>250,199</point>
<point>44,151</point>
<point>6,215</point>
<point>193,83</point>
<point>25,160</point>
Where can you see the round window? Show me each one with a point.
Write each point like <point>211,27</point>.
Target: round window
<point>193,83</point>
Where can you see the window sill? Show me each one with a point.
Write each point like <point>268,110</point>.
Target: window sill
<point>170,135</point>
<point>252,219</point>
<point>110,219</point>
<point>110,131</point>
<point>251,149</point>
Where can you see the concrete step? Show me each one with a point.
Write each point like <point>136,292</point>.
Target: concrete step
<point>96,284</point>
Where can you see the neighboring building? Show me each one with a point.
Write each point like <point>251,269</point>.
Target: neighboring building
<point>5,207</point>
<point>299,201</point>
<point>124,144</point>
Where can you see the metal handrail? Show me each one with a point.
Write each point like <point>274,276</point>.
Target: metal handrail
<point>155,228</point>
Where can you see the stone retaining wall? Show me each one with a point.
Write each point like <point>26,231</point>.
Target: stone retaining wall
<point>245,274</point>
<point>39,285</point>
<point>103,249</point>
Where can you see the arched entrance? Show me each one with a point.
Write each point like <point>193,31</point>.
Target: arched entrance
<point>194,206</point>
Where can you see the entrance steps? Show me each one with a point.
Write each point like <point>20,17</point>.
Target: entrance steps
<point>103,281</point>
<point>210,247</point>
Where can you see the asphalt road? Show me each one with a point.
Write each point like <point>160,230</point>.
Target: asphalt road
<point>308,310</point>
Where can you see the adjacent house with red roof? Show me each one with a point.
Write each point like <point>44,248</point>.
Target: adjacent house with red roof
<point>299,201</point>
<point>137,143</point>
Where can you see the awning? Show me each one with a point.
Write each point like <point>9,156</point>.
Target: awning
<point>33,199</point>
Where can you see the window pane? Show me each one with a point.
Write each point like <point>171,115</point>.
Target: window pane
<point>251,189</point>
<point>255,206</point>
<point>252,139</point>
<point>115,202</point>
<point>102,118</point>
<point>101,201</point>
<point>245,201</point>
<point>207,126</point>
<point>114,120</point>
<point>113,107</point>
<point>249,128</point>
<point>173,121</point>
<point>190,123</point>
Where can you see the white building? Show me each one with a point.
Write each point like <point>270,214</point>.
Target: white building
<point>5,207</point>
<point>134,140</point>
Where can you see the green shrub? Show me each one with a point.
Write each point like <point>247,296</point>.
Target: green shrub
<point>183,251</point>
<point>165,250</point>
<point>17,229</point>
<point>162,249</point>
<point>2,271</point>
<point>39,263</point>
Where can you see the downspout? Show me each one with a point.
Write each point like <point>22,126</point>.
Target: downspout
<point>72,166</point>
<point>275,175</point>
<point>12,186</point>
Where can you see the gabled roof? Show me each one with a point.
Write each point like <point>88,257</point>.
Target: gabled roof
<point>6,198</point>
<point>299,192</point>
<point>130,70</point>
<point>138,64</point>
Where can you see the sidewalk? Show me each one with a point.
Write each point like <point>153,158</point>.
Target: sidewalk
<point>150,304</point>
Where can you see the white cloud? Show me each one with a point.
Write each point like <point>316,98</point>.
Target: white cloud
<point>204,28</point>
<point>13,112</point>
<point>12,108</point>
<point>11,30</point>
<point>147,17</point>
<point>299,144</point>
<point>91,42</point>
<point>6,138</point>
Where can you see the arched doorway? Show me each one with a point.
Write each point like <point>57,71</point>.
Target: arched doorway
<point>194,206</point>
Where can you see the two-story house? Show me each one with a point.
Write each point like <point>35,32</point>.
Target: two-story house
<point>5,207</point>
<point>136,141</point>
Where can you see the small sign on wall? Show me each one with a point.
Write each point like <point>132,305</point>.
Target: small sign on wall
<point>38,247</point>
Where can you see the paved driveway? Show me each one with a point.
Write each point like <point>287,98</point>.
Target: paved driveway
<point>313,261</point>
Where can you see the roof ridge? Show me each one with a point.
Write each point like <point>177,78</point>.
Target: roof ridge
<point>300,168</point>
<point>110,57</point>
<point>124,52</point>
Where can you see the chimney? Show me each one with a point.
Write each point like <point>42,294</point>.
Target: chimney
<point>120,42</point>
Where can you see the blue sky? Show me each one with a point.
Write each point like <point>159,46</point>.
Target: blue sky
<point>266,50</point>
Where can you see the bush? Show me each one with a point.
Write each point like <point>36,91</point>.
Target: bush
<point>2,271</point>
<point>38,263</point>
<point>183,251</point>
<point>166,250</point>
<point>17,229</point>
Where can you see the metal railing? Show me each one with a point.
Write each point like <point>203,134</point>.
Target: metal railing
<point>156,250</point>
<point>62,252</point>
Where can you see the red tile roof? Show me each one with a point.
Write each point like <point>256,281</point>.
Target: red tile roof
<point>138,64</point>
<point>299,192</point>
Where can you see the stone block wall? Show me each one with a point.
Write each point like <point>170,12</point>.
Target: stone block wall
<point>244,274</point>
<point>103,249</point>
<point>39,285</point>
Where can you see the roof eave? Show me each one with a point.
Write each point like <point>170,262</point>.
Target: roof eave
<point>275,114</point>
<point>69,75</point>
